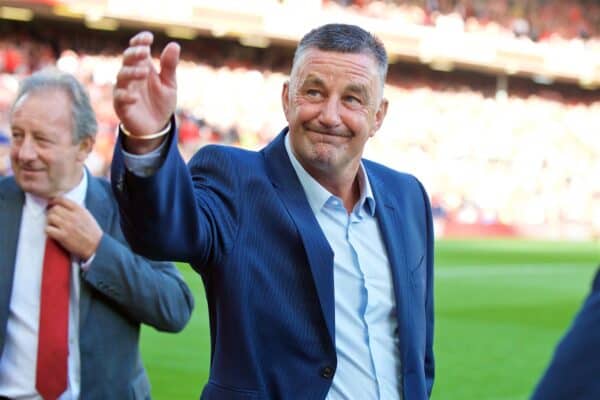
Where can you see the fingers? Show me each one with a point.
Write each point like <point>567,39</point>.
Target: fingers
<point>136,55</point>
<point>138,66</point>
<point>127,75</point>
<point>143,38</point>
<point>62,202</point>
<point>57,217</point>
<point>137,60</point>
<point>61,212</point>
<point>144,98</point>
<point>168,63</point>
<point>74,227</point>
<point>124,97</point>
<point>56,224</point>
<point>55,233</point>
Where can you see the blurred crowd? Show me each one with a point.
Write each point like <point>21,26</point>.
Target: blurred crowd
<point>525,159</point>
<point>538,20</point>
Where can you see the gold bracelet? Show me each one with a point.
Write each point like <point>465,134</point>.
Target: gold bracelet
<point>146,137</point>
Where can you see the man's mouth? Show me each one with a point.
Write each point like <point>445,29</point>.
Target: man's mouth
<point>30,170</point>
<point>328,133</point>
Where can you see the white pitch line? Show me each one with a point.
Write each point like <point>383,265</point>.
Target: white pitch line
<point>508,269</point>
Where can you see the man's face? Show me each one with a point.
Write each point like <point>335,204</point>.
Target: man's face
<point>44,159</point>
<point>333,104</point>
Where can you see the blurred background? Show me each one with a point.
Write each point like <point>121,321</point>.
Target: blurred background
<point>494,106</point>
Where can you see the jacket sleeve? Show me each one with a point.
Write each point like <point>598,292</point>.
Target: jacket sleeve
<point>429,358</point>
<point>573,370</point>
<point>177,213</point>
<point>148,292</point>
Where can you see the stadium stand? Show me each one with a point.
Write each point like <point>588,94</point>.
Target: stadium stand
<point>500,154</point>
<point>538,20</point>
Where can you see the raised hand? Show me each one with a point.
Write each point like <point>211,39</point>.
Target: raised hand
<point>144,99</point>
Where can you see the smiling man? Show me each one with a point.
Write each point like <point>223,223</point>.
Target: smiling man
<point>318,264</point>
<point>72,293</point>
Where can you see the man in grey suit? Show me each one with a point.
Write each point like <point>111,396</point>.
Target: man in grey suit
<point>53,209</point>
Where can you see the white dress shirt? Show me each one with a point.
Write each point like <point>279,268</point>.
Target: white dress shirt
<point>18,361</point>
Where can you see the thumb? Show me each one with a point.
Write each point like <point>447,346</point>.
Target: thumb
<point>168,63</point>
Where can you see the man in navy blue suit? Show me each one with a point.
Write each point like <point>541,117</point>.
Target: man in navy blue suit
<point>317,263</point>
<point>573,371</point>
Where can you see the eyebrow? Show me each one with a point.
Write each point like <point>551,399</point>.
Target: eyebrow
<point>313,80</point>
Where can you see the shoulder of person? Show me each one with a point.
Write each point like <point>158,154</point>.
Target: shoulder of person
<point>99,188</point>
<point>381,171</point>
<point>99,183</point>
<point>404,185</point>
<point>8,184</point>
<point>223,153</point>
<point>226,148</point>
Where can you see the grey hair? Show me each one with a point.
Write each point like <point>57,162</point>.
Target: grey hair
<point>83,116</point>
<point>344,38</point>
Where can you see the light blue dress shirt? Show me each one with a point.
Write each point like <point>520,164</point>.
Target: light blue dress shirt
<point>366,326</point>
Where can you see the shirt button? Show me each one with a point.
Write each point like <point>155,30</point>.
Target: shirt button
<point>327,372</point>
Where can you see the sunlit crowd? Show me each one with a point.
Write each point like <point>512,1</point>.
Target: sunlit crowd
<point>527,161</point>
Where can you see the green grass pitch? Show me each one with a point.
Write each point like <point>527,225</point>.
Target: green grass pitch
<point>501,306</point>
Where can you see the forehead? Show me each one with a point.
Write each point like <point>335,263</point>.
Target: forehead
<point>330,65</point>
<point>47,106</point>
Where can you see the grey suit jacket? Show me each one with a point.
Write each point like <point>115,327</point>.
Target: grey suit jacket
<point>120,291</point>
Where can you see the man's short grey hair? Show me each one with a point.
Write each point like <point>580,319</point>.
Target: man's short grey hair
<point>343,38</point>
<point>83,116</point>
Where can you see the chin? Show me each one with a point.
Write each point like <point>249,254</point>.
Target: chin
<point>32,188</point>
<point>323,162</point>
<point>324,155</point>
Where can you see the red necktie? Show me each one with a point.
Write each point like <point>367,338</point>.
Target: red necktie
<point>53,350</point>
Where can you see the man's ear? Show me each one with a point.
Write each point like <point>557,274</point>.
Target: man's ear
<point>380,114</point>
<point>285,98</point>
<point>85,147</point>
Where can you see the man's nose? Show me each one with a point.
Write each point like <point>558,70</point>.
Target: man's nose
<point>330,113</point>
<point>27,149</point>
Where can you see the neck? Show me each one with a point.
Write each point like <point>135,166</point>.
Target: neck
<point>346,188</point>
<point>72,184</point>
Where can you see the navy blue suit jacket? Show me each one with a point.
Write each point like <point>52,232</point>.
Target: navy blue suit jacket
<point>573,373</point>
<point>242,220</point>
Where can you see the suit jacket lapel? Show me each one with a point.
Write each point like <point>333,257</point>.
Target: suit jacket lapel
<point>318,251</point>
<point>96,202</point>
<point>12,200</point>
<point>394,236</point>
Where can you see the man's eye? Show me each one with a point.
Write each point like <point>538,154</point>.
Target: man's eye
<point>42,139</point>
<point>313,92</point>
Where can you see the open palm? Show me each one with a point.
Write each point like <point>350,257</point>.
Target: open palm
<point>144,98</point>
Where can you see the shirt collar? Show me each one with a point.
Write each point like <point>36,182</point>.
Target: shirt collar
<point>37,205</point>
<point>317,195</point>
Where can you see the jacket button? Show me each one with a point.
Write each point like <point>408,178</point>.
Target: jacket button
<point>327,372</point>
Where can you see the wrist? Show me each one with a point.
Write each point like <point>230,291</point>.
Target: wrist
<point>85,264</point>
<point>143,144</point>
